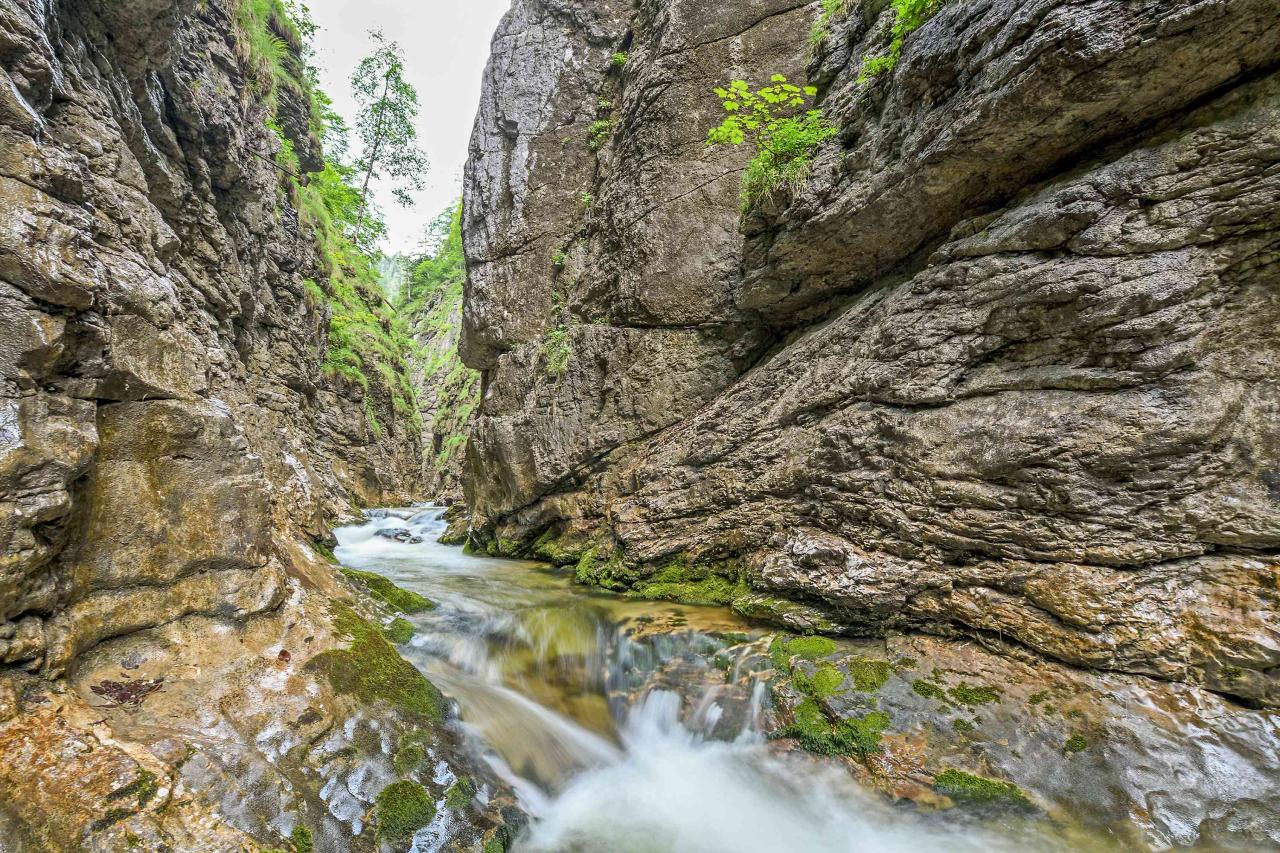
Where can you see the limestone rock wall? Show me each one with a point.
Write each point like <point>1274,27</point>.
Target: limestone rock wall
<point>1004,365</point>
<point>162,406</point>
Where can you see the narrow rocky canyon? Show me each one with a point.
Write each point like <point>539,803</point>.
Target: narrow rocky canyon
<point>962,446</point>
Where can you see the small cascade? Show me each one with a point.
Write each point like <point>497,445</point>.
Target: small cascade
<point>624,725</point>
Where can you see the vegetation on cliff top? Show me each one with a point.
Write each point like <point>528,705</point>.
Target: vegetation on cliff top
<point>369,344</point>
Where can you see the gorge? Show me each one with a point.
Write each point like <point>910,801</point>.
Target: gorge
<point>928,500</point>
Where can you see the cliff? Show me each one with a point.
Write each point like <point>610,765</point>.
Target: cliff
<point>1002,365</point>
<point>183,412</point>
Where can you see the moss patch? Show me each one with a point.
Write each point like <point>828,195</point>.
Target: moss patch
<point>870,675</point>
<point>371,669</point>
<point>301,838</point>
<point>460,794</point>
<point>399,631</point>
<point>962,725</point>
<point>688,585</point>
<point>411,753</point>
<point>403,809</point>
<point>389,594</point>
<point>810,648</point>
<point>967,788</point>
<point>825,682</point>
<point>967,694</point>
<point>144,789</point>
<point>929,690</point>
<point>1075,743</point>
<point>816,732</point>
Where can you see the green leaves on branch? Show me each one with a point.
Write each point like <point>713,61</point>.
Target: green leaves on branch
<point>780,123</point>
<point>911,15</point>
<point>388,112</point>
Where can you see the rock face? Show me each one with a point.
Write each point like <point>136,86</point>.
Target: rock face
<point>1004,365</point>
<point>168,440</point>
<point>162,400</point>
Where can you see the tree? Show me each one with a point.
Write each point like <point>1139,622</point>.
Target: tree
<point>388,110</point>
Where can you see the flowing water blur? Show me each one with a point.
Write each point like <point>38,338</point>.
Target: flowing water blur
<point>624,725</point>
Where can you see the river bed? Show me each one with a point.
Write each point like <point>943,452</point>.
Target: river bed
<point>634,726</point>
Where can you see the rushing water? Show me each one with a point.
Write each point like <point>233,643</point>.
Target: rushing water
<point>626,726</point>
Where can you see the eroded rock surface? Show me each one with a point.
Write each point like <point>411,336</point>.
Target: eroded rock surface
<point>1004,364</point>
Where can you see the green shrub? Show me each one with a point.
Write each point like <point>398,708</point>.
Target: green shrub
<point>618,60</point>
<point>779,123</point>
<point>910,15</point>
<point>598,133</point>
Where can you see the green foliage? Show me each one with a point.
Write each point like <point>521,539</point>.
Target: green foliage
<point>557,349</point>
<point>559,260</point>
<point>816,732</point>
<point>598,133</point>
<point>372,670</point>
<point>825,682</point>
<point>821,31</point>
<point>1075,743</point>
<point>778,121</point>
<point>586,199</point>
<point>269,36</point>
<point>967,788</point>
<point>910,15</point>
<point>386,124</point>
<point>618,60</point>
<point>961,725</point>
<point>401,600</point>
<point>403,808</point>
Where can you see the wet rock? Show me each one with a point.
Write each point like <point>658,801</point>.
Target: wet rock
<point>1026,392</point>
<point>1083,746</point>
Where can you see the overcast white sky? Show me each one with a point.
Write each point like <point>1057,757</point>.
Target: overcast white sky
<point>446,44</point>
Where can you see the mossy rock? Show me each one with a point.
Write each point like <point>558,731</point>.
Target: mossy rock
<point>460,794</point>
<point>411,752</point>
<point>401,600</point>
<point>301,838</point>
<point>816,732</point>
<point>371,669</point>
<point>403,808</point>
<point>965,788</point>
<point>400,631</point>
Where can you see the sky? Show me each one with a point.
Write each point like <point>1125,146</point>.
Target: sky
<point>446,45</point>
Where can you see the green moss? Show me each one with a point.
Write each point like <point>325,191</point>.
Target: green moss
<point>411,753</point>
<point>494,845</point>
<point>967,788</point>
<point>1075,743</point>
<point>825,682</point>
<point>460,794</point>
<point>610,573</point>
<point>111,818</point>
<point>929,690</point>
<point>678,582</point>
<point>962,725</point>
<point>870,675</point>
<point>144,789</point>
<point>1232,673</point>
<point>618,60</point>
<point>324,551</point>
<point>389,594</point>
<point>967,694</point>
<point>810,648</point>
<point>399,631</point>
<point>371,669</point>
<point>403,808</point>
<point>301,838</point>
<point>817,733</point>
<point>1037,698</point>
